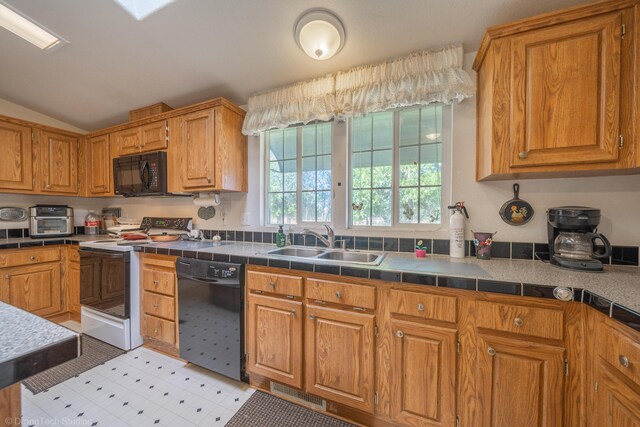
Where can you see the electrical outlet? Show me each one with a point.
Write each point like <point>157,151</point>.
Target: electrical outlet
<point>244,219</point>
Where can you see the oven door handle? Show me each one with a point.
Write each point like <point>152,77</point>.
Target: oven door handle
<point>105,254</point>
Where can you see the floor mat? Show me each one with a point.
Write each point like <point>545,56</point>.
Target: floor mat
<point>94,353</point>
<point>265,410</point>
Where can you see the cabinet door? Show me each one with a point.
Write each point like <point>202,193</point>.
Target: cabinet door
<point>274,339</point>
<point>153,136</point>
<point>520,383</point>
<point>565,87</point>
<point>73,283</point>
<point>423,375</point>
<point>16,161</point>
<point>197,138</point>
<point>34,288</point>
<point>339,349</point>
<point>99,165</point>
<point>128,141</point>
<point>58,163</point>
<point>617,404</point>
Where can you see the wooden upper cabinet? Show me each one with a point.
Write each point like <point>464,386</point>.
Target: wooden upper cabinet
<point>128,141</point>
<point>340,352</point>
<point>520,383</point>
<point>198,147</point>
<point>565,90</point>
<point>154,137</point>
<point>16,161</point>
<point>550,100</point>
<point>423,375</point>
<point>99,166</point>
<point>58,163</point>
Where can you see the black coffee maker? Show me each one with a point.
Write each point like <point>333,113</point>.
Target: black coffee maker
<point>572,238</point>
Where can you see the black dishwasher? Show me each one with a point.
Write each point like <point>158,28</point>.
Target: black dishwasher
<point>211,315</point>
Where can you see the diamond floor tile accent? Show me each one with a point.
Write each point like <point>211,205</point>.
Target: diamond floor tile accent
<point>139,388</point>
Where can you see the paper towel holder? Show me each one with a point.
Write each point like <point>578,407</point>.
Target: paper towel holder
<point>206,199</point>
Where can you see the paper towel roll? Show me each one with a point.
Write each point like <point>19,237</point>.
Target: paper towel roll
<point>207,199</point>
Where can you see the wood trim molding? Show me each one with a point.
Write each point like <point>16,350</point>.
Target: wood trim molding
<point>39,126</point>
<point>217,102</point>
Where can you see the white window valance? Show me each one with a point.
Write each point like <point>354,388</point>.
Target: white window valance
<point>434,75</point>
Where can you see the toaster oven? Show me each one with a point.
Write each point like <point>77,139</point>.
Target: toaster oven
<point>50,221</point>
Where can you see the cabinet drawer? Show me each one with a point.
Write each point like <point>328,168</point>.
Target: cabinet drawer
<point>534,321</point>
<point>159,329</point>
<point>29,256</point>
<point>275,283</point>
<point>159,305</point>
<point>73,254</point>
<point>341,293</point>
<point>620,351</point>
<point>425,306</point>
<point>160,281</point>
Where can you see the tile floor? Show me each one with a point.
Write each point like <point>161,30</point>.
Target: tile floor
<point>139,388</point>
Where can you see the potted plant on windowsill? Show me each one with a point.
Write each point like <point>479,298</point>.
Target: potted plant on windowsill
<point>421,249</point>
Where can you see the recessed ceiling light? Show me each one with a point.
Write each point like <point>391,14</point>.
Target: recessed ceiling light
<point>320,34</point>
<point>140,9</point>
<point>28,29</point>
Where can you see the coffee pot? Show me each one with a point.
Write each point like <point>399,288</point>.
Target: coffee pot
<point>572,233</point>
<point>581,246</point>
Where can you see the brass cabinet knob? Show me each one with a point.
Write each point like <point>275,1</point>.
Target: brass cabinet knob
<point>155,305</point>
<point>491,351</point>
<point>156,282</point>
<point>518,321</point>
<point>338,294</point>
<point>48,186</point>
<point>33,258</point>
<point>272,284</point>
<point>209,180</point>
<point>399,334</point>
<point>420,307</point>
<point>312,317</point>
<point>624,361</point>
<point>523,154</point>
<point>292,313</point>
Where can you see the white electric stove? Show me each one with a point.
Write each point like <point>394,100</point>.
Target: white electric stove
<point>110,285</point>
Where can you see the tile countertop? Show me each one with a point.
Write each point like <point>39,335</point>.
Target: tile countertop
<point>30,344</point>
<point>618,284</point>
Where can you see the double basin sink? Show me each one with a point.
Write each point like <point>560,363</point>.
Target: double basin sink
<point>335,255</point>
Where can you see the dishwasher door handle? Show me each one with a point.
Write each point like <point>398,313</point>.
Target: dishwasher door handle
<point>217,282</point>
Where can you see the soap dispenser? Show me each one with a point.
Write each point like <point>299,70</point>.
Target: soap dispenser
<point>281,238</point>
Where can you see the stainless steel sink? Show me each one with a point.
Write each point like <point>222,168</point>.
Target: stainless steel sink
<point>360,257</point>
<point>329,255</point>
<point>297,252</point>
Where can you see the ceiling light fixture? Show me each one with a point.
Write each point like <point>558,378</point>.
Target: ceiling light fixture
<point>140,9</point>
<point>320,34</point>
<point>29,30</point>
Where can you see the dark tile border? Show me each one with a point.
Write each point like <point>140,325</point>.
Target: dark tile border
<point>510,288</point>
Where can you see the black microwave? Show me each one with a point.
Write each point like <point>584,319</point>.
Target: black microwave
<point>141,174</point>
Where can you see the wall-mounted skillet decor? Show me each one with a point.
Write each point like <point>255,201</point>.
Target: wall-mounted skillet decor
<point>516,211</point>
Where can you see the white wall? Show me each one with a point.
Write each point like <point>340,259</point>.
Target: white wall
<point>19,112</point>
<point>618,197</point>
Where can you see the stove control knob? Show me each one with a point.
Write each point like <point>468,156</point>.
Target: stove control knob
<point>563,293</point>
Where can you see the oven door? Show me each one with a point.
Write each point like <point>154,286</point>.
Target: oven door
<point>105,281</point>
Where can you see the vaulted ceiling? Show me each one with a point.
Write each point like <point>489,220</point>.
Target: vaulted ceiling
<point>194,50</point>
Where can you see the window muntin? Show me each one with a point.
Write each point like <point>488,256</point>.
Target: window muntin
<point>396,167</point>
<point>299,174</point>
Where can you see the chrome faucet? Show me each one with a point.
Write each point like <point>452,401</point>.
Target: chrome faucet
<point>329,241</point>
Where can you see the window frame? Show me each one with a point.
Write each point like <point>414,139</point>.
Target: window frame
<point>265,173</point>
<point>446,175</point>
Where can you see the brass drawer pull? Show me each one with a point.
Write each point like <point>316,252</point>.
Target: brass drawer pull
<point>420,307</point>
<point>338,294</point>
<point>33,258</point>
<point>156,282</point>
<point>491,351</point>
<point>272,284</point>
<point>292,313</point>
<point>155,305</point>
<point>624,361</point>
<point>312,317</point>
<point>399,334</point>
<point>523,154</point>
<point>518,321</point>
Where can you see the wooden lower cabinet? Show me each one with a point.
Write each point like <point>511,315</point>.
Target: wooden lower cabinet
<point>159,300</point>
<point>423,374</point>
<point>617,402</point>
<point>34,288</point>
<point>520,383</point>
<point>274,339</point>
<point>340,353</point>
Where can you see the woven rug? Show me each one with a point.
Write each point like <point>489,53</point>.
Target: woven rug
<point>265,410</point>
<point>94,353</point>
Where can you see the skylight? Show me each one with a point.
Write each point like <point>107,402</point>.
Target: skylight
<point>28,29</point>
<point>140,9</point>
